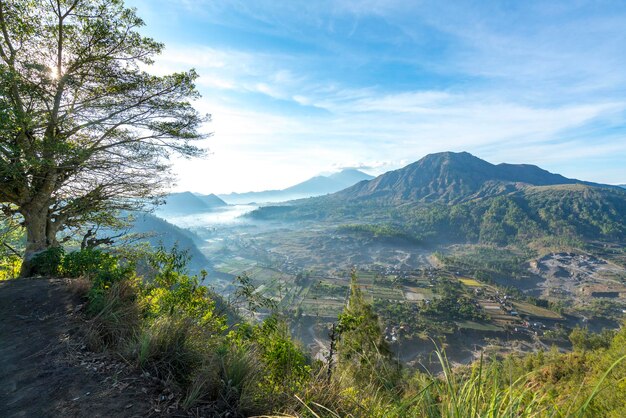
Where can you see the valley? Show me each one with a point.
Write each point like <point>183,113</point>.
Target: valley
<point>475,264</point>
<point>519,305</point>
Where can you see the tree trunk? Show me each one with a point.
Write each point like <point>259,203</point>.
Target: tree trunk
<point>40,235</point>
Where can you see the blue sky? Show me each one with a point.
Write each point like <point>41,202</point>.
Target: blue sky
<point>296,88</point>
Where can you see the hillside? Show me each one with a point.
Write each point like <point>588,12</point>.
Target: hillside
<point>315,186</point>
<point>450,197</point>
<point>211,200</point>
<point>70,366</point>
<point>161,232</point>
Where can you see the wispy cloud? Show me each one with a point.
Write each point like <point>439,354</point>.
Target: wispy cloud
<point>297,88</point>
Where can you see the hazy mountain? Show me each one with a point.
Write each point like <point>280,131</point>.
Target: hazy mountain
<point>316,186</point>
<point>188,203</point>
<point>456,197</point>
<point>211,200</point>
<point>450,177</point>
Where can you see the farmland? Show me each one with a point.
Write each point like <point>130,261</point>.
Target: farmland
<point>488,294</point>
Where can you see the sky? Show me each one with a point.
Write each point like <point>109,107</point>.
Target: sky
<point>296,88</point>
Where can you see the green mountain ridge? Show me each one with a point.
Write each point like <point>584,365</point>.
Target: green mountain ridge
<point>449,177</point>
<point>459,198</point>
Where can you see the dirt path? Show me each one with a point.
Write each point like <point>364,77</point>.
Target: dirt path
<point>44,372</point>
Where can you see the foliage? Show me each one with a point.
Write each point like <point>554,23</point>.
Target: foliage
<point>253,300</point>
<point>378,231</point>
<point>86,130</point>
<point>167,323</point>
<point>99,265</point>
<point>453,303</point>
<point>167,326</point>
<point>171,292</point>
<point>364,356</point>
<point>11,247</point>
<point>285,368</point>
<point>48,262</point>
<point>10,267</point>
<point>583,339</point>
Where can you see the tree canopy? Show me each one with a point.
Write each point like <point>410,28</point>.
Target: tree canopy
<point>85,130</point>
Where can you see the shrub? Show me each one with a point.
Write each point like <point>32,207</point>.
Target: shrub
<point>10,267</point>
<point>89,262</point>
<point>48,262</point>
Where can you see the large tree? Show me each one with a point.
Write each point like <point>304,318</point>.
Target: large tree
<point>84,128</point>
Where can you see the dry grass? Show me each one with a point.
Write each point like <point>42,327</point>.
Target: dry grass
<point>80,286</point>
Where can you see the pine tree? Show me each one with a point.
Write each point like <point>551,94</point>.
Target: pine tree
<point>364,357</point>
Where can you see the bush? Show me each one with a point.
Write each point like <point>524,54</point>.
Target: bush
<point>10,267</point>
<point>48,262</point>
<point>89,262</point>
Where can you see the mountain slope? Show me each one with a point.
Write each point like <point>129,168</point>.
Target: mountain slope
<point>316,186</point>
<point>212,200</point>
<point>161,232</point>
<point>449,177</point>
<point>558,214</point>
<point>458,198</point>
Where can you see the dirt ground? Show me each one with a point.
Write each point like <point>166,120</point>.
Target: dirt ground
<point>45,371</point>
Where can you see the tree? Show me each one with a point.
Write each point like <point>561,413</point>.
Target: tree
<point>364,357</point>
<point>84,130</point>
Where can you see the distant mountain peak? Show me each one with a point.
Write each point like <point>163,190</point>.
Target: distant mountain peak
<point>187,203</point>
<point>348,170</point>
<point>315,186</point>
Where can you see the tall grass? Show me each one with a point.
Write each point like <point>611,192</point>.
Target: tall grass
<point>484,392</point>
<point>170,330</point>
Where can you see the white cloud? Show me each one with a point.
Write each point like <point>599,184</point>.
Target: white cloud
<point>532,87</point>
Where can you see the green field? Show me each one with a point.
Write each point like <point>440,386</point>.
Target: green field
<point>322,307</point>
<point>535,311</point>
<point>379,292</point>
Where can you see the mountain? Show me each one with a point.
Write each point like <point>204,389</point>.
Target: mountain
<point>212,201</point>
<point>458,198</point>
<point>450,177</point>
<point>187,203</point>
<point>316,186</point>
